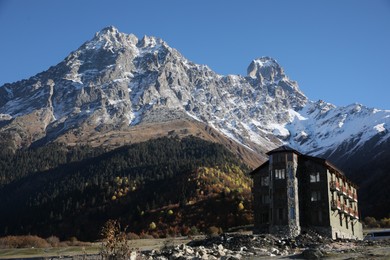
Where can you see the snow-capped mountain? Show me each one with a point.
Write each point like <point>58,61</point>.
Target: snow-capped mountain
<point>116,82</point>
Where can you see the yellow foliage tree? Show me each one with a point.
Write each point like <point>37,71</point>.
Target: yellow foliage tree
<point>240,206</point>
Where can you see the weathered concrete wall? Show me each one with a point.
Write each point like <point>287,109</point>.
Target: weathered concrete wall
<point>259,207</point>
<point>342,224</point>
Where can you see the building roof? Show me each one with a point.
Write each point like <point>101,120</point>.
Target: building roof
<point>319,160</point>
<point>283,148</point>
<point>259,168</point>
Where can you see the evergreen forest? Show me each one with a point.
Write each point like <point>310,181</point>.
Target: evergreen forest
<point>154,187</point>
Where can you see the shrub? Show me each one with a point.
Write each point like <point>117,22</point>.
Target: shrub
<point>214,231</point>
<point>385,222</point>
<point>152,226</point>
<point>193,231</point>
<point>240,206</point>
<point>371,222</point>
<point>185,231</point>
<point>145,236</point>
<point>53,241</point>
<point>115,244</point>
<point>23,242</point>
<point>132,236</point>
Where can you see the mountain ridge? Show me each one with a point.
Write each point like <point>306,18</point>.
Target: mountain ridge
<point>116,81</point>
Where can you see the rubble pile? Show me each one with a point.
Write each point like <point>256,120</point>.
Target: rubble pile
<point>238,246</point>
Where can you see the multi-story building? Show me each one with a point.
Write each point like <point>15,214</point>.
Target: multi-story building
<point>293,193</point>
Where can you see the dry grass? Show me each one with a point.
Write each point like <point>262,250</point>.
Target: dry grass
<point>146,131</point>
<point>23,242</point>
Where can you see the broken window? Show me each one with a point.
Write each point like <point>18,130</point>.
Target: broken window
<point>315,196</point>
<point>315,177</point>
<point>280,174</point>
<point>265,181</point>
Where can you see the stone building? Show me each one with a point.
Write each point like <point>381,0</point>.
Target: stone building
<point>294,193</point>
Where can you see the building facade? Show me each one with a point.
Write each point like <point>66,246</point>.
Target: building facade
<point>294,193</point>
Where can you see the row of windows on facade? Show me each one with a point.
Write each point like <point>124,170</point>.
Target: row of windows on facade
<point>344,201</point>
<point>280,174</point>
<point>338,183</point>
<point>316,217</point>
<point>315,196</point>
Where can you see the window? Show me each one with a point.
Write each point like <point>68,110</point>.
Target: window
<point>315,196</point>
<point>265,181</point>
<point>280,174</point>
<point>315,177</point>
<point>289,156</point>
<point>346,222</point>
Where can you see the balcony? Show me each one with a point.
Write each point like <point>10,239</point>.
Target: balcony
<point>354,197</point>
<point>335,205</point>
<point>345,209</point>
<point>350,194</point>
<point>334,186</point>
<point>354,214</point>
<point>344,190</point>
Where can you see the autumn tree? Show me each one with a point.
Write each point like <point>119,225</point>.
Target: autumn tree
<point>115,244</point>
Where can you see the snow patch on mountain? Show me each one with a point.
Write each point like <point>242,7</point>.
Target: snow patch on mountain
<point>326,129</point>
<point>380,128</point>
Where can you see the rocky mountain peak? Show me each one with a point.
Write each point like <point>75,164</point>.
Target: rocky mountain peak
<point>110,38</point>
<point>109,30</point>
<point>265,68</point>
<point>149,41</point>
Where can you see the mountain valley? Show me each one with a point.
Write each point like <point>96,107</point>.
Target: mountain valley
<point>123,107</point>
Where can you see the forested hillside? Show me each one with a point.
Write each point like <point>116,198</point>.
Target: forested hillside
<point>54,190</point>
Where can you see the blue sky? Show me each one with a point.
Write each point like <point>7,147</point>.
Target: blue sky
<point>338,51</point>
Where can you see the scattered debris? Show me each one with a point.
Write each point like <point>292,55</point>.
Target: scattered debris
<point>245,246</point>
<point>240,246</point>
